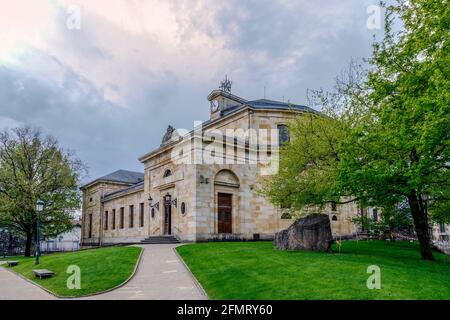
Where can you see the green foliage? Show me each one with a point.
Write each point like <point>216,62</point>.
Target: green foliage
<point>34,167</point>
<point>286,215</point>
<point>392,219</point>
<point>403,148</point>
<point>307,165</point>
<point>440,211</point>
<point>383,137</point>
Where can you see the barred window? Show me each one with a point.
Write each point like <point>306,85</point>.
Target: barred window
<point>283,134</point>
<point>113,227</point>
<point>131,216</point>
<point>106,220</point>
<point>122,217</point>
<point>375,214</point>
<point>141,215</point>
<point>333,206</point>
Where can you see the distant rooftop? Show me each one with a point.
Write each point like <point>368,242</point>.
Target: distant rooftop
<point>135,187</point>
<point>276,104</point>
<point>268,104</point>
<point>120,176</point>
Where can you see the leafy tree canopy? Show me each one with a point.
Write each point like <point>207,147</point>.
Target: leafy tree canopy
<point>35,167</point>
<point>383,135</point>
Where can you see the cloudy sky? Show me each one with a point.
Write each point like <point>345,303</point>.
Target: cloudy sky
<point>108,81</point>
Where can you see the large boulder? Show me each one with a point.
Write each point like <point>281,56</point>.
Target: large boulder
<point>312,233</point>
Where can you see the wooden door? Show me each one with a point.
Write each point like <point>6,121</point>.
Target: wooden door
<point>224,210</point>
<point>167,215</point>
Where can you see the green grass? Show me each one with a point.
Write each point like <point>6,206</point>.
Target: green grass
<point>101,269</point>
<point>254,270</point>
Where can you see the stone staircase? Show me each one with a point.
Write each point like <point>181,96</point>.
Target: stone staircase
<point>160,240</point>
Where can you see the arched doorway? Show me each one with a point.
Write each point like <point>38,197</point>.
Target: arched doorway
<point>226,187</point>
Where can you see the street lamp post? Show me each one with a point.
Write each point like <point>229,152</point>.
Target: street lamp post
<point>39,208</point>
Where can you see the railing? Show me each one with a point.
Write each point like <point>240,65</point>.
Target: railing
<point>403,236</point>
<point>444,246</point>
<point>53,246</point>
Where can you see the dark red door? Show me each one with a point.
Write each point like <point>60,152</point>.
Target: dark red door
<point>224,213</point>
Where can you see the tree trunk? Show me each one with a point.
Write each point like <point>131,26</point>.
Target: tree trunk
<point>10,245</point>
<point>419,216</point>
<point>28,245</point>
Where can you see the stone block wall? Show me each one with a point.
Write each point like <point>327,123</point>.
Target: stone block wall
<point>197,186</point>
<point>92,204</point>
<point>127,234</point>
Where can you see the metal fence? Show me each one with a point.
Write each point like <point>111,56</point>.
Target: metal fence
<point>65,245</point>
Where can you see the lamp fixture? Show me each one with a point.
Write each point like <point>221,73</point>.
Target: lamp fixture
<point>156,205</point>
<point>40,205</point>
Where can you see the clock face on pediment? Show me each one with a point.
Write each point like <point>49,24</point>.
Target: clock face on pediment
<point>214,105</point>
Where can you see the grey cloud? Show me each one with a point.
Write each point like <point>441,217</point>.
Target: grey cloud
<point>47,91</point>
<point>320,37</point>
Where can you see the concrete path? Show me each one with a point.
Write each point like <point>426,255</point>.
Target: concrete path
<point>161,275</point>
<point>13,287</point>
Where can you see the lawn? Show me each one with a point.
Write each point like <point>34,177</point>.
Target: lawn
<point>101,269</point>
<point>254,270</point>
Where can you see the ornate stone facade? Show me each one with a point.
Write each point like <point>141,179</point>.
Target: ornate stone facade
<point>199,187</point>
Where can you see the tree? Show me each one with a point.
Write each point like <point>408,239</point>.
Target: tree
<point>391,126</point>
<point>308,170</point>
<point>35,167</point>
<point>9,242</point>
<point>405,146</point>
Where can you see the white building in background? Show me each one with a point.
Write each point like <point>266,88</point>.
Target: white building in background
<point>441,232</point>
<point>67,241</point>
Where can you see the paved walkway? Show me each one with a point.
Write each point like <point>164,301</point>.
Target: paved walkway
<point>160,276</point>
<point>13,287</point>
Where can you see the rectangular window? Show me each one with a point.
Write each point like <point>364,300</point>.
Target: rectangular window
<point>375,214</point>
<point>283,134</point>
<point>106,220</point>
<point>442,227</point>
<point>333,206</point>
<point>141,215</point>
<point>122,217</point>
<point>131,216</point>
<point>113,219</point>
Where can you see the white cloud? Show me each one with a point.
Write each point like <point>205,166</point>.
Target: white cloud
<point>23,23</point>
<point>135,66</point>
<point>8,123</point>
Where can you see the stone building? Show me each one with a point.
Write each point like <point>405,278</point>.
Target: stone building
<point>440,232</point>
<point>203,184</point>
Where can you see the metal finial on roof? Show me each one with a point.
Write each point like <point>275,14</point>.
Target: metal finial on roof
<point>225,85</point>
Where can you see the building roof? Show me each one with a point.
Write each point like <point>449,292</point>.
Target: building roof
<point>262,104</point>
<point>134,188</point>
<point>241,104</point>
<point>266,103</point>
<point>119,176</point>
